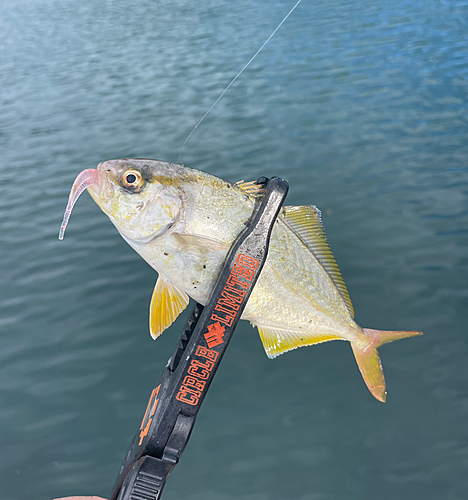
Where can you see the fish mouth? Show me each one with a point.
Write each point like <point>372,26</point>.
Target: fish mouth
<point>102,190</point>
<point>91,179</point>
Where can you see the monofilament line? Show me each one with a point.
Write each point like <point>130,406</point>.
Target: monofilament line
<point>236,77</point>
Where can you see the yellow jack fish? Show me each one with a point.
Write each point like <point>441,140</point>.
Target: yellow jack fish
<point>183,222</point>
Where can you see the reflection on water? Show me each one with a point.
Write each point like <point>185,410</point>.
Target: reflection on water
<point>363,107</point>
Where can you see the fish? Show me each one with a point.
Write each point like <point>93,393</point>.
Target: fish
<point>183,221</point>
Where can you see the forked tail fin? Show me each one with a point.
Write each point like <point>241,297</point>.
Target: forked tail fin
<point>368,359</point>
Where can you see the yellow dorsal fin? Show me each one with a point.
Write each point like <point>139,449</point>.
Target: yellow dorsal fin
<point>252,188</point>
<point>167,303</point>
<point>306,222</point>
<point>276,341</point>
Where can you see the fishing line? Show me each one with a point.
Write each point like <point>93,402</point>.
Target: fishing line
<point>236,77</point>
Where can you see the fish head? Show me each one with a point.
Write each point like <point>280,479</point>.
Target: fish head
<point>143,198</point>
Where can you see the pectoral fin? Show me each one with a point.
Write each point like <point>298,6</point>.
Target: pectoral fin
<point>276,341</point>
<point>193,241</point>
<point>167,303</point>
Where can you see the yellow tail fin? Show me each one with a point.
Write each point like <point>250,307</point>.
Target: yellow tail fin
<point>368,359</point>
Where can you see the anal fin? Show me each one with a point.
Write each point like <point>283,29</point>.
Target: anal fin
<point>277,341</point>
<point>167,302</point>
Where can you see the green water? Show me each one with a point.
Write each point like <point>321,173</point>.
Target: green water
<point>363,107</point>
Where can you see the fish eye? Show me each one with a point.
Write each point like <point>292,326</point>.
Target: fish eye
<point>132,178</point>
